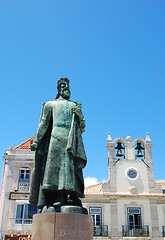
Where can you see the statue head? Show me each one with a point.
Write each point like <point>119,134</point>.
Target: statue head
<point>63,88</point>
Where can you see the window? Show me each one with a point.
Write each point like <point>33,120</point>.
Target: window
<point>24,180</point>
<point>24,175</point>
<point>134,218</point>
<point>24,213</point>
<point>96,214</point>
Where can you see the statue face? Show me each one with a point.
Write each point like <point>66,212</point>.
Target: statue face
<point>64,90</point>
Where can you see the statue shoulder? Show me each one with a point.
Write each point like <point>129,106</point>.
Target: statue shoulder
<point>76,103</point>
<point>47,104</point>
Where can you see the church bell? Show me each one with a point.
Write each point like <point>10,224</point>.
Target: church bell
<point>139,153</point>
<point>119,153</point>
<point>139,149</point>
<point>119,148</point>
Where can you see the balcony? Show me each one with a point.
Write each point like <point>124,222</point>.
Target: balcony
<point>163,231</point>
<point>135,231</point>
<point>100,230</point>
<point>23,186</point>
<point>23,221</point>
<point>20,224</point>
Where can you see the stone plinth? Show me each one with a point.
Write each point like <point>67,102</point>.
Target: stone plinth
<point>62,226</point>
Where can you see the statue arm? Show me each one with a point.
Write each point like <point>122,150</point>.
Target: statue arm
<point>43,126</point>
<point>82,124</point>
<point>78,112</point>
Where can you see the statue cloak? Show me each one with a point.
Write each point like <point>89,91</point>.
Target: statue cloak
<point>75,148</point>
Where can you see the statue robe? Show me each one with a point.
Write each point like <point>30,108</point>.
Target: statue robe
<point>60,157</point>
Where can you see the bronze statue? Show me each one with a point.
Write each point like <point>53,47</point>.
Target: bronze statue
<point>60,156</point>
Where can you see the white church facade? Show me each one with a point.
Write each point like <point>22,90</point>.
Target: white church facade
<point>129,205</point>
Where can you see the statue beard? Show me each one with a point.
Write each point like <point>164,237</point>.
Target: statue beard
<point>65,93</point>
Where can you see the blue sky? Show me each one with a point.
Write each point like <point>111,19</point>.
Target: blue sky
<point>113,52</point>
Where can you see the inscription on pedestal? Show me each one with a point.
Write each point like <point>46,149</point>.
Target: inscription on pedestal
<point>62,226</point>
<point>73,233</point>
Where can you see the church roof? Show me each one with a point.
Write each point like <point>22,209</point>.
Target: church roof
<point>98,189</point>
<point>94,188</point>
<point>26,144</point>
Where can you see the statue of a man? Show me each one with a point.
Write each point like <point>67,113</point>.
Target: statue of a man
<point>60,156</point>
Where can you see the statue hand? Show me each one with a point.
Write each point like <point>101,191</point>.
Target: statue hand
<point>34,146</point>
<point>82,125</point>
<point>77,110</point>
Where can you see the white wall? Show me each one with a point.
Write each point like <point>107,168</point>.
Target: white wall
<point>124,183</point>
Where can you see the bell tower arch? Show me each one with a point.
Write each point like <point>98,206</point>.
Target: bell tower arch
<point>130,167</point>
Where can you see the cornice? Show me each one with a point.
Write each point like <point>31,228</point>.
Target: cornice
<point>109,196</point>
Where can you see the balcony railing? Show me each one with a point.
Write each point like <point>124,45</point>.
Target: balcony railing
<point>20,223</point>
<point>23,186</point>
<point>163,231</point>
<point>23,220</point>
<point>135,231</point>
<point>100,230</point>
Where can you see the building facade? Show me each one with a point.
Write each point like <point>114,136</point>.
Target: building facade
<point>130,204</point>
<point>15,211</point>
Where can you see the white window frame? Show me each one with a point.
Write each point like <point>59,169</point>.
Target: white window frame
<point>24,183</point>
<point>22,217</point>
<point>96,213</point>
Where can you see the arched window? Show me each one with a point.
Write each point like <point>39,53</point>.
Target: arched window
<point>24,179</point>
<point>139,150</point>
<point>119,150</point>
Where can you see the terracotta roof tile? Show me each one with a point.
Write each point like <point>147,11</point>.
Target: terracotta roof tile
<point>161,182</point>
<point>26,144</point>
<point>94,188</point>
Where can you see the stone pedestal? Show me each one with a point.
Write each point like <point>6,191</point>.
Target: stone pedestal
<point>62,226</point>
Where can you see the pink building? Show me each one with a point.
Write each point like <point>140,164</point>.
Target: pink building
<point>15,211</point>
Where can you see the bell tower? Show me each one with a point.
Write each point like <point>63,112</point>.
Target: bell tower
<point>130,167</point>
